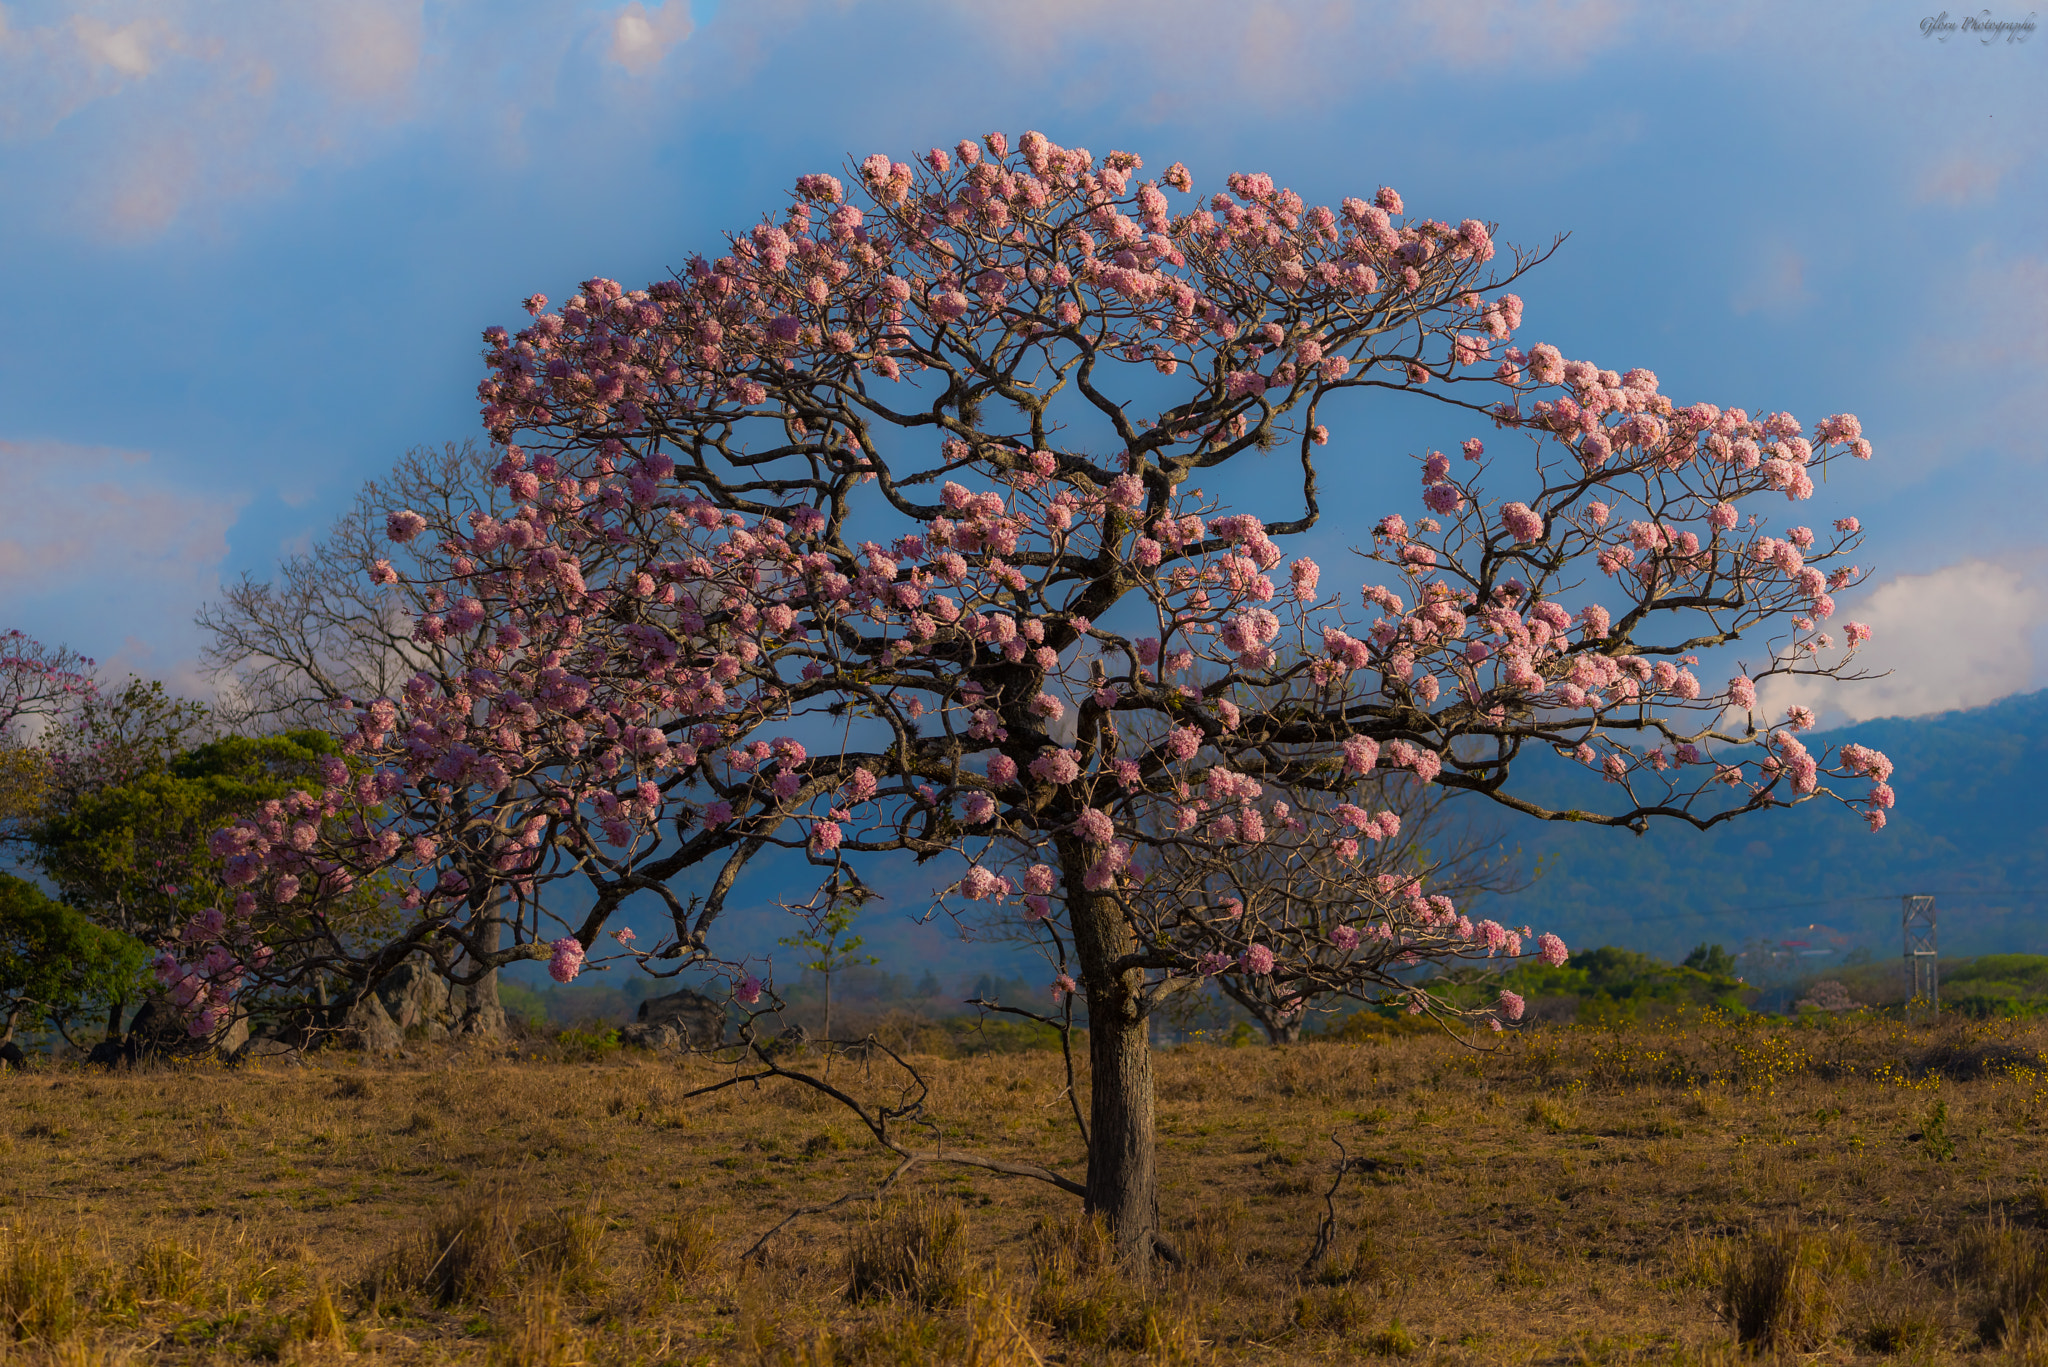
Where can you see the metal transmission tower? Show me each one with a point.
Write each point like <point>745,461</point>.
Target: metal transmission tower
<point>1917,920</point>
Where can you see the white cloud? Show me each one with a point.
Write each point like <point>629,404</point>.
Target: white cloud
<point>194,105</point>
<point>1960,636</point>
<point>112,560</point>
<point>1776,285</point>
<point>641,38</point>
<point>1962,177</point>
<point>125,49</point>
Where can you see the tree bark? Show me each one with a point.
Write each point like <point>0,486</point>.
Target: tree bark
<point>482,1013</point>
<point>114,1012</point>
<point>1123,1164</point>
<point>1282,1031</point>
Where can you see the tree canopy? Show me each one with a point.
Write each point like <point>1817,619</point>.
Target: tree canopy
<point>57,966</point>
<point>880,532</point>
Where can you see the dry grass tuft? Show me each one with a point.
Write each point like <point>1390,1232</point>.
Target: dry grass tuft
<point>1781,1289</point>
<point>542,1336</point>
<point>912,1251</point>
<point>465,1256</point>
<point>321,1323</point>
<point>565,1247</point>
<point>2010,1266</point>
<point>40,1274</point>
<point>683,1247</point>
<point>168,1271</point>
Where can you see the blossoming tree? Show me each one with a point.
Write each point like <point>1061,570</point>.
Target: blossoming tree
<point>40,688</point>
<point>880,532</point>
<point>1410,833</point>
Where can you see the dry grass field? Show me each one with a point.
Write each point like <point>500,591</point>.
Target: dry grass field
<point>1854,1190</point>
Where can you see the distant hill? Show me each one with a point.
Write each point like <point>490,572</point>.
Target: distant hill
<point>1971,828</point>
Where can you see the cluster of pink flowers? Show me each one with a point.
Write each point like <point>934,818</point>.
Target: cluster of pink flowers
<point>565,959</point>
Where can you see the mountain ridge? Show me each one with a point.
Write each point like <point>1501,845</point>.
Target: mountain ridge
<point>1970,828</point>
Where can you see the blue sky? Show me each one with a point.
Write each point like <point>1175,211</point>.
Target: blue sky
<point>249,248</point>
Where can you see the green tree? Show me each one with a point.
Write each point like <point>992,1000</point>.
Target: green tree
<point>1711,959</point>
<point>829,948</point>
<point>55,965</point>
<point>129,849</point>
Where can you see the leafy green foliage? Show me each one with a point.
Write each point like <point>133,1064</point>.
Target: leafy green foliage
<point>828,948</point>
<point>2007,985</point>
<point>1620,986</point>
<point>57,966</point>
<point>132,854</point>
<point>1711,959</point>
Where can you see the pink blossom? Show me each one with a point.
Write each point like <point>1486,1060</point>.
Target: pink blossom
<point>1057,766</point>
<point>567,959</point>
<point>979,885</point>
<point>1861,759</point>
<point>748,990</point>
<point>1511,1004</point>
<point>404,525</point>
<point>1094,826</point>
<point>1041,879</point>
<point>1258,959</point>
<point>1522,522</point>
<point>1742,693</point>
<point>1551,950</point>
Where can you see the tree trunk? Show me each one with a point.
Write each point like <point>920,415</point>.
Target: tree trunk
<point>114,1012</point>
<point>1123,1165</point>
<point>828,1024</point>
<point>1282,1031</point>
<point>482,1014</point>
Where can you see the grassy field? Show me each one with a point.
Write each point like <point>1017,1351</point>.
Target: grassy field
<point>1848,1190</point>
